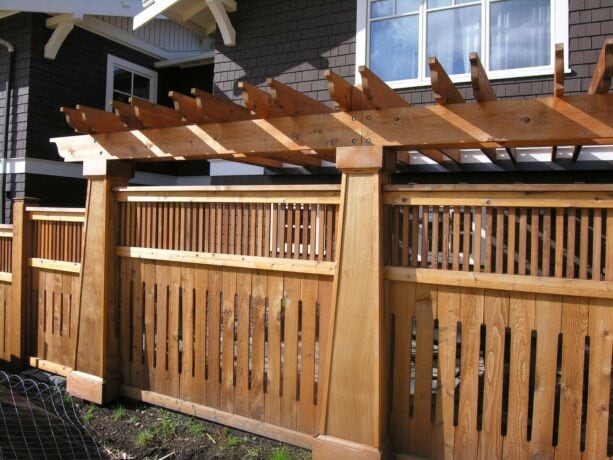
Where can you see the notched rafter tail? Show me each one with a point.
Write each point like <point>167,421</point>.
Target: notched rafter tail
<point>187,107</point>
<point>75,120</point>
<point>155,115</point>
<point>260,102</point>
<point>293,102</point>
<point>101,121</point>
<point>127,114</point>
<point>347,96</point>
<point>378,92</point>
<point>443,88</point>
<point>219,109</point>
<point>603,72</point>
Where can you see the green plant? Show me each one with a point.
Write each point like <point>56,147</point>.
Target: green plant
<point>89,413</point>
<point>195,429</point>
<point>67,399</point>
<point>233,441</point>
<point>282,453</point>
<point>119,413</point>
<point>145,437</point>
<point>168,425</point>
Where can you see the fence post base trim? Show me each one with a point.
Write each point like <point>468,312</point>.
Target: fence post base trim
<point>329,447</point>
<point>93,388</point>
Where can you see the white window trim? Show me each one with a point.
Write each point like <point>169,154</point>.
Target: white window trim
<point>559,24</point>
<point>112,61</point>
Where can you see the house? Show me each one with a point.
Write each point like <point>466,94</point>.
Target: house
<point>84,52</point>
<point>295,43</point>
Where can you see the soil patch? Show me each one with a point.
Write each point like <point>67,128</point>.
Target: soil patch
<point>131,429</point>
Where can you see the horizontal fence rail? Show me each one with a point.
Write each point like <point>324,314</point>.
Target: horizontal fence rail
<point>504,234</point>
<point>292,224</point>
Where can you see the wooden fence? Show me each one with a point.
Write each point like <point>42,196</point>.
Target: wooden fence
<point>501,309</point>
<point>225,296</point>
<point>498,302</point>
<point>54,263</point>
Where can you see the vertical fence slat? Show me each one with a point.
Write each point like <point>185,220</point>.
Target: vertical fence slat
<point>495,319</point>
<point>256,393</point>
<point>574,329</point>
<point>547,323</point>
<point>521,322</point>
<point>425,312</point>
<point>600,328</point>
<point>534,241</point>
<point>402,305</point>
<point>455,251</point>
<point>471,318</point>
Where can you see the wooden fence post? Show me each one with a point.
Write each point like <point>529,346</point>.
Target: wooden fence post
<point>355,412</point>
<point>17,326</point>
<point>96,368</point>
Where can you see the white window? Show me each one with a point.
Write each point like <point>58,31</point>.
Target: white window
<point>125,79</point>
<point>514,38</point>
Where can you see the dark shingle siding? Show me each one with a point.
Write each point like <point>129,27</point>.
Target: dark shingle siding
<point>296,42</point>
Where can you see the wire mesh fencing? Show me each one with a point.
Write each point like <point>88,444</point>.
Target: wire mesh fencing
<point>39,421</point>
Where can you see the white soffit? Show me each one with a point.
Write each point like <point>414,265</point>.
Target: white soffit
<point>94,7</point>
<point>201,16</point>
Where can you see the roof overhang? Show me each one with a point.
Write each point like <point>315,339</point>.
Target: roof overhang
<point>201,16</point>
<point>128,8</point>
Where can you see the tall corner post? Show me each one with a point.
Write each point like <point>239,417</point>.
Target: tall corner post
<point>18,329</point>
<point>354,417</point>
<point>95,376</point>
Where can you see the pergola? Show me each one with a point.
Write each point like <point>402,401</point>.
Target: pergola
<point>286,126</point>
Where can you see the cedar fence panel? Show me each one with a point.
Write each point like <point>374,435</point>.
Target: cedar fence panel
<point>499,362</point>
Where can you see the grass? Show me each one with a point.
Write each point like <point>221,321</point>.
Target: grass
<point>195,429</point>
<point>233,441</point>
<point>281,453</point>
<point>90,412</point>
<point>119,413</point>
<point>145,437</point>
<point>168,425</point>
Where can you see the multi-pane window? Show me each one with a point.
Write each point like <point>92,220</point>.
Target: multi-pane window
<point>512,37</point>
<point>126,79</point>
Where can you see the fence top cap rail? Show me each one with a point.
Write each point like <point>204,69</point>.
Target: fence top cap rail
<point>55,210</point>
<point>6,227</point>
<point>499,188</point>
<point>233,188</point>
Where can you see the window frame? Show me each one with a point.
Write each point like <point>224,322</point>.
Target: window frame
<point>114,61</point>
<point>559,31</point>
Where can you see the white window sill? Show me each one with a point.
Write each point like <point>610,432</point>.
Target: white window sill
<point>465,78</point>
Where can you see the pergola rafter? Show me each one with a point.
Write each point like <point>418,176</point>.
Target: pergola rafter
<point>286,126</point>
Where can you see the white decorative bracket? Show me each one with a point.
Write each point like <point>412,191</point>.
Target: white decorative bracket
<point>223,21</point>
<point>62,25</point>
<point>186,13</point>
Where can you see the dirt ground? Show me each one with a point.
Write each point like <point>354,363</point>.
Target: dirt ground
<point>130,429</point>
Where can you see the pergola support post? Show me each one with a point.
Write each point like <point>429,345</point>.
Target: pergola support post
<point>355,411</point>
<point>96,368</point>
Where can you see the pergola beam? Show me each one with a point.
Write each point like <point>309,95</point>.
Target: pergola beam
<point>378,93</point>
<point>584,120</point>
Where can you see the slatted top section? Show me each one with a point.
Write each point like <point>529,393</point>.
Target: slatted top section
<point>520,230</point>
<point>282,126</point>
